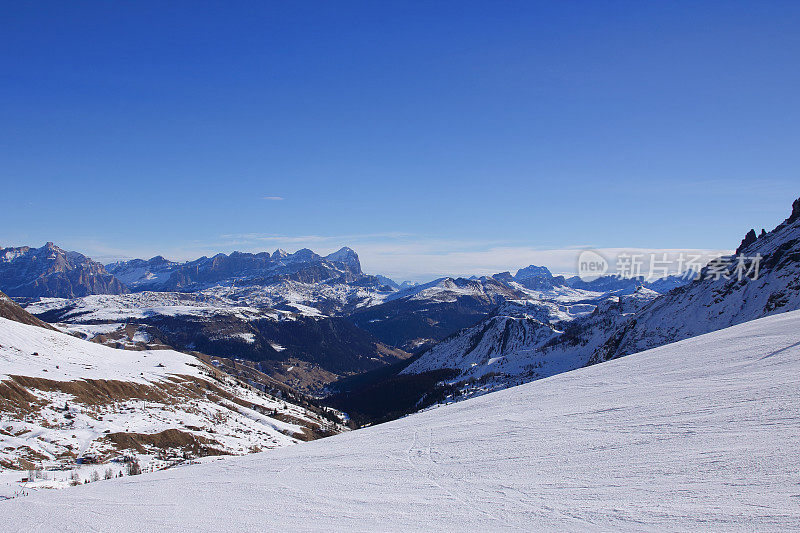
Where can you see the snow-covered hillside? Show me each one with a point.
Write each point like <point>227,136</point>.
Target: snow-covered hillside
<point>63,399</point>
<point>523,341</point>
<point>697,435</point>
<point>517,346</point>
<point>714,302</point>
<point>121,320</point>
<point>302,351</point>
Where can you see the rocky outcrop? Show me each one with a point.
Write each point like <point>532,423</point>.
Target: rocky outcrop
<point>718,301</point>
<point>11,310</point>
<point>749,239</point>
<point>51,271</point>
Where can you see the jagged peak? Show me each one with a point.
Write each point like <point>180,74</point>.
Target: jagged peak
<point>795,211</point>
<point>749,238</point>
<point>343,251</point>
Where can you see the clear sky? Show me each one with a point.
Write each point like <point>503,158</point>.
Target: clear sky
<point>432,137</point>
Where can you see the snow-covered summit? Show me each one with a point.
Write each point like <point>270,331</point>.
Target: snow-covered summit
<point>345,255</point>
<point>140,274</point>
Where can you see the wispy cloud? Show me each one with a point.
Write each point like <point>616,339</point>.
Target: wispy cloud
<point>272,198</point>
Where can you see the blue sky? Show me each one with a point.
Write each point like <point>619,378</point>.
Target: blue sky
<point>432,137</point>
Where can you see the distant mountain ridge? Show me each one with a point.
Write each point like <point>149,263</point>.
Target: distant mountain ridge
<point>540,278</point>
<point>51,271</point>
<point>305,318</point>
<point>159,274</point>
<point>333,284</point>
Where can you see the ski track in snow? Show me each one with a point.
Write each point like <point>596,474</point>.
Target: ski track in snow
<point>700,434</point>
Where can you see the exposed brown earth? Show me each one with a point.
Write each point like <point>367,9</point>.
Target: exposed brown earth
<point>198,445</point>
<point>10,310</point>
<point>19,401</point>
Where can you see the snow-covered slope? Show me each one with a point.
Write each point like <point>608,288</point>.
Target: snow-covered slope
<point>127,307</point>
<point>697,435</point>
<point>62,398</point>
<point>523,341</point>
<point>715,302</point>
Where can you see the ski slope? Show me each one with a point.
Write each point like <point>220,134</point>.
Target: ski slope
<point>700,434</point>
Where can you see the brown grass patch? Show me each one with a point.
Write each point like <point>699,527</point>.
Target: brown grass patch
<point>14,397</point>
<point>168,439</point>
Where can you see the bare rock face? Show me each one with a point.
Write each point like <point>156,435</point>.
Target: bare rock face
<point>749,239</point>
<point>795,211</point>
<point>51,271</point>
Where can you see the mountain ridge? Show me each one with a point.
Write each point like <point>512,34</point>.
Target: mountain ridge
<point>52,271</point>
<point>502,349</point>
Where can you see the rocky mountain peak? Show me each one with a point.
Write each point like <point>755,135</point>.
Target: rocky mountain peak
<point>749,239</point>
<point>303,255</point>
<point>504,277</point>
<point>345,255</point>
<point>533,271</point>
<point>795,211</point>
<point>50,271</point>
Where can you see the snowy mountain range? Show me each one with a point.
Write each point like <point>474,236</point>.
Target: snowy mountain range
<point>304,319</point>
<point>206,358</point>
<point>310,321</point>
<point>243,269</point>
<point>533,340</point>
<point>420,316</point>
